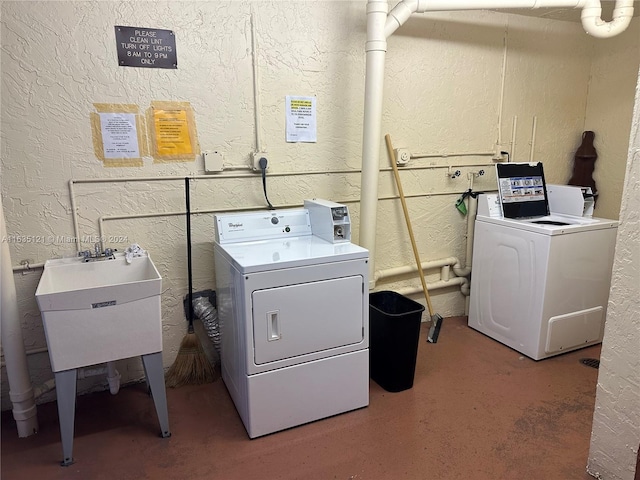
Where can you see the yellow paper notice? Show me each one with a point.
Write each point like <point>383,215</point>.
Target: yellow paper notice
<point>172,132</point>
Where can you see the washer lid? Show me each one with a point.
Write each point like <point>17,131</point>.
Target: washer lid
<point>552,224</point>
<point>261,255</point>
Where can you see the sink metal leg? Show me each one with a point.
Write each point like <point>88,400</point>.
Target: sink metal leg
<point>155,380</point>
<point>66,395</point>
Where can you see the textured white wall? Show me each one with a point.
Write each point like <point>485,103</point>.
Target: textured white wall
<point>616,421</point>
<point>611,86</point>
<point>442,95</point>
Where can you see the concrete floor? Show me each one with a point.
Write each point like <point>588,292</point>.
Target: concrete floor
<point>477,410</point>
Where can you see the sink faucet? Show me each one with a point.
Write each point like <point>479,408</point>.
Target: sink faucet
<point>89,256</point>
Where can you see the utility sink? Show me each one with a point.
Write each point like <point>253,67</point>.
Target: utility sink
<point>96,312</point>
<point>99,311</point>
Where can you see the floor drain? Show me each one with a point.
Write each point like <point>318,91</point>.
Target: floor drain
<point>590,362</point>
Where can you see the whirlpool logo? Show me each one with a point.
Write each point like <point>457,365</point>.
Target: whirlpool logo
<point>235,225</point>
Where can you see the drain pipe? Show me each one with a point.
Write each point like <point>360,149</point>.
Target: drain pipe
<point>376,50</point>
<point>472,209</point>
<point>20,388</point>
<point>381,25</point>
<point>595,26</point>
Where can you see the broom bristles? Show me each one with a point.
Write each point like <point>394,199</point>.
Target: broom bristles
<point>191,366</point>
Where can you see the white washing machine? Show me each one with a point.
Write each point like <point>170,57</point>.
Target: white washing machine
<point>540,280</point>
<point>294,316</point>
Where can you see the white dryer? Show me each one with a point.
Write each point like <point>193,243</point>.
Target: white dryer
<point>294,318</point>
<point>540,283</point>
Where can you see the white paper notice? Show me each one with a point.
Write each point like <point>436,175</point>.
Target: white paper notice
<point>301,119</point>
<point>119,135</point>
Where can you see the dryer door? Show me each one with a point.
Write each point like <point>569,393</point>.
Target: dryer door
<point>295,320</point>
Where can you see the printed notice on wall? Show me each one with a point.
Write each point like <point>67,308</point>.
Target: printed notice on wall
<point>301,119</point>
<point>172,132</point>
<point>119,135</point>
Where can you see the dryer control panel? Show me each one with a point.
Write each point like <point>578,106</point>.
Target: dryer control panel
<point>262,225</point>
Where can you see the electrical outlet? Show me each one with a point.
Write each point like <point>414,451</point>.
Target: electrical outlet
<point>402,156</point>
<point>498,154</point>
<point>256,156</point>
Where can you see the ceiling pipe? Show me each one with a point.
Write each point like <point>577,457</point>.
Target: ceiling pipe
<point>381,24</point>
<point>595,26</point>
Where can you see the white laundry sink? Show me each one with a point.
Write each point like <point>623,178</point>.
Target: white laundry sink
<point>99,311</point>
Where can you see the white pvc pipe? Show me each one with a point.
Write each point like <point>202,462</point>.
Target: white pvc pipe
<point>20,388</point>
<point>407,269</point>
<point>503,77</point>
<point>512,154</point>
<point>44,388</point>
<point>376,49</point>
<point>256,82</point>
<point>472,209</point>
<point>401,12</point>
<point>593,24</point>
<point>113,377</point>
<point>91,372</point>
<point>462,281</point>
<point>534,129</point>
<point>33,351</point>
<point>591,12</point>
<point>74,215</point>
<point>27,267</point>
<point>446,155</point>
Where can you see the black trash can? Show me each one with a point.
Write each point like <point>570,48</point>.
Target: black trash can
<point>394,331</point>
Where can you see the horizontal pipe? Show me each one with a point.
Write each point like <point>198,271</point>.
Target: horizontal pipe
<point>407,269</point>
<point>237,167</point>
<point>462,281</point>
<point>448,155</point>
<point>28,267</point>
<point>44,388</point>
<point>403,10</point>
<point>32,351</point>
<point>591,14</point>
<point>170,178</point>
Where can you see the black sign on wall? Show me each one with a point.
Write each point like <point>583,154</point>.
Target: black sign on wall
<point>146,47</point>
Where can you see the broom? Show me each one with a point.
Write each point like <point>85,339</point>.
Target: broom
<point>191,366</point>
<point>436,319</point>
